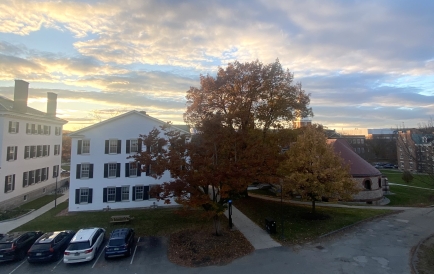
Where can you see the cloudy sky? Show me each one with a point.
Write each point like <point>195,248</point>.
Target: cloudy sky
<point>367,64</point>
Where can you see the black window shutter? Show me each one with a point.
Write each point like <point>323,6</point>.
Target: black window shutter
<point>91,171</point>
<point>25,149</point>
<point>16,151</point>
<point>128,146</point>
<point>13,182</point>
<point>105,170</point>
<point>10,126</point>
<point>118,170</point>
<point>146,193</point>
<point>119,147</point>
<point>106,146</point>
<point>139,144</point>
<point>104,195</point>
<point>6,183</point>
<point>48,150</point>
<point>24,181</point>
<point>37,176</point>
<point>7,153</point>
<point>89,200</point>
<point>79,145</point>
<point>77,196</point>
<point>118,194</point>
<point>134,193</point>
<point>18,127</point>
<point>127,170</point>
<point>48,172</point>
<point>78,172</point>
<point>148,170</point>
<point>139,169</point>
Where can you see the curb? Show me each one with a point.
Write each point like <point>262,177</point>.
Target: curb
<point>415,251</point>
<point>16,218</point>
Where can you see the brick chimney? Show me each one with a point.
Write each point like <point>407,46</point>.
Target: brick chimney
<point>21,94</point>
<point>51,104</point>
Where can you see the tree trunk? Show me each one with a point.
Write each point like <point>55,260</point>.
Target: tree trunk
<point>217,225</point>
<point>313,207</point>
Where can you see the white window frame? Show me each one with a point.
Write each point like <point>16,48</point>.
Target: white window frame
<point>25,179</point>
<point>44,174</point>
<point>140,190</point>
<point>85,167</point>
<point>32,179</point>
<point>27,152</point>
<point>133,169</point>
<point>28,128</point>
<point>14,127</point>
<point>39,150</point>
<point>35,150</point>
<point>113,145</point>
<point>85,146</point>
<point>112,167</point>
<point>11,155</point>
<point>56,149</point>
<point>57,131</point>
<point>111,194</point>
<point>34,129</point>
<point>134,145</point>
<point>125,193</point>
<point>40,129</point>
<point>8,182</point>
<point>55,171</point>
<point>45,150</point>
<point>84,193</point>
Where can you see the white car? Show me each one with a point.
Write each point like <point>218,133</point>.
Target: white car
<point>84,245</point>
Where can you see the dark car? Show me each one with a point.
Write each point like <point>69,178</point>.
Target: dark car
<point>14,246</point>
<point>121,243</point>
<point>50,246</point>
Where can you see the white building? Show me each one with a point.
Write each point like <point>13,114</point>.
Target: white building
<point>30,150</point>
<point>102,176</point>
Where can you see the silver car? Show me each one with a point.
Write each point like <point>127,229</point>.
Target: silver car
<point>84,245</point>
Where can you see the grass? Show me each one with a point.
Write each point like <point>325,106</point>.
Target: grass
<point>419,180</point>
<point>155,222</point>
<point>265,192</point>
<point>425,262</point>
<point>407,196</point>
<point>25,208</point>
<point>296,228</point>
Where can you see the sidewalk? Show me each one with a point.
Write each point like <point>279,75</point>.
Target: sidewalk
<point>330,204</point>
<point>11,225</point>
<point>393,184</point>
<point>257,236</point>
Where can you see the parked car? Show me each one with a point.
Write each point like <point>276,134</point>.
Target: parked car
<point>389,166</point>
<point>84,245</point>
<point>121,243</point>
<point>14,246</point>
<point>64,172</point>
<point>50,246</point>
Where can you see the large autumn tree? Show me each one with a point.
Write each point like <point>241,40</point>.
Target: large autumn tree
<point>314,171</point>
<point>239,117</point>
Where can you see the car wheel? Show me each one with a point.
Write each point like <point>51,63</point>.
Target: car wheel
<point>130,251</point>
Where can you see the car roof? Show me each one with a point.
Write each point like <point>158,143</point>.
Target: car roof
<point>119,233</point>
<point>10,237</point>
<point>84,234</point>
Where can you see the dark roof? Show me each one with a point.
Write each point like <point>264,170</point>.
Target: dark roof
<point>358,166</point>
<point>8,105</point>
<point>10,237</point>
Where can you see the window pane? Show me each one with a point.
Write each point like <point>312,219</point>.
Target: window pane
<point>134,145</point>
<point>85,170</point>
<point>111,194</point>
<point>139,192</point>
<point>112,170</point>
<point>84,192</point>
<point>113,146</point>
<point>86,146</point>
<point>133,169</point>
<point>125,193</point>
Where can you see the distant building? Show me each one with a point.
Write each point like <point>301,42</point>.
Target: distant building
<point>415,151</point>
<point>301,122</point>
<point>30,150</point>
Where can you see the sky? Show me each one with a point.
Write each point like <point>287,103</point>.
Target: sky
<point>366,64</point>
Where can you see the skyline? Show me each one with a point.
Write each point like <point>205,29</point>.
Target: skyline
<point>366,64</point>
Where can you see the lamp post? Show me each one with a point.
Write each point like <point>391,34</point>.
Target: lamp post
<point>230,213</point>
<point>55,193</point>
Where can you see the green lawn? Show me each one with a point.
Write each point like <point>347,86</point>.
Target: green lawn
<point>35,204</point>
<point>157,222</point>
<point>407,196</point>
<point>394,176</point>
<point>296,228</point>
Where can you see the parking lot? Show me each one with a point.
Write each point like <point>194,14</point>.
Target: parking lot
<point>149,253</point>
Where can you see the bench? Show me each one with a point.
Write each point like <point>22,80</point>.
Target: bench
<point>121,219</point>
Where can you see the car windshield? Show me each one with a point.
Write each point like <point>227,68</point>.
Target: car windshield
<point>116,242</point>
<point>5,246</point>
<point>78,246</point>
<point>39,247</point>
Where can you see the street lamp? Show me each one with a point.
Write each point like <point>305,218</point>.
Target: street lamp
<point>230,213</point>
<point>281,210</point>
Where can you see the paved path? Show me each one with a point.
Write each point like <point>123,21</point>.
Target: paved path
<point>11,225</point>
<point>256,235</point>
<point>393,184</point>
<point>329,204</point>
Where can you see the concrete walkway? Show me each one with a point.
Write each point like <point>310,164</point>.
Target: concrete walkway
<point>257,236</point>
<point>11,225</point>
<point>393,184</point>
<point>329,204</point>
